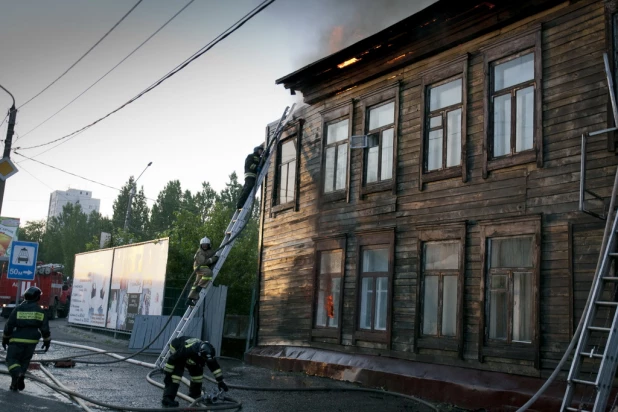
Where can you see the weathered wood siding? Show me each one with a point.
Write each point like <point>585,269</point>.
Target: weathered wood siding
<point>574,100</point>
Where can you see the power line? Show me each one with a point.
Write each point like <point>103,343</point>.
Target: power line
<point>205,49</point>
<point>109,71</point>
<point>84,55</point>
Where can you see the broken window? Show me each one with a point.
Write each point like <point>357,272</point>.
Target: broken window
<point>379,153</point>
<point>286,171</point>
<point>336,156</point>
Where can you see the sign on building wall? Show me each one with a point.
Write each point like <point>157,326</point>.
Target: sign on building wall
<point>9,226</point>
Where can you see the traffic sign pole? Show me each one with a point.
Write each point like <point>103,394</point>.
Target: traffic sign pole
<point>22,261</point>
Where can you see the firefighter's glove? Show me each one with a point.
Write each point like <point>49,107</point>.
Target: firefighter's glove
<point>214,259</point>
<point>5,342</point>
<point>46,345</point>
<point>222,386</point>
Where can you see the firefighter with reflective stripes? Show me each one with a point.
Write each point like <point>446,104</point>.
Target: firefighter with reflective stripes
<point>253,163</point>
<point>203,261</point>
<point>27,323</point>
<point>194,354</point>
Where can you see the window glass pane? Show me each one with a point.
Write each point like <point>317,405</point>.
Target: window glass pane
<point>443,255</point>
<point>337,131</point>
<point>329,170</point>
<point>445,95</point>
<point>333,315</point>
<point>430,305</point>
<point>435,122</point>
<point>381,301</point>
<point>511,252</point>
<point>283,182</point>
<point>502,125</point>
<point>375,260</point>
<point>342,162</point>
<point>449,306</point>
<point>434,150</point>
<point>387,154</point>
<point>381,116</point>
<point>330,262</point>
<point>513,72</point>
<point>497,308</point>
<point>522,307</point>
<point>453,138</point>
<point>291,180</point>
<point>372,165</point>
<point>524,130</point>
<point>366,299</point>
<point>320,311</point>
<point>288,151</point>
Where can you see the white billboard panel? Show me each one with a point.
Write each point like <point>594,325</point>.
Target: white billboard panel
<point>91,280</point>
<point>138,281</point>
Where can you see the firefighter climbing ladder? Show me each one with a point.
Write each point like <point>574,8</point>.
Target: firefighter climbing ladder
<point>598,375</point>
<point>233,229</point>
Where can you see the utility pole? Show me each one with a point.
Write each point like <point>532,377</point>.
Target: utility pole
<point>127,217</point>
<point>8,142</point>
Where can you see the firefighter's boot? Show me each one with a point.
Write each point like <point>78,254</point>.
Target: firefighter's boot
<point>195,390</point>
<point>21,384</point>
<point>13,386</point>
<point>191,302</point>
<point>169,393</point>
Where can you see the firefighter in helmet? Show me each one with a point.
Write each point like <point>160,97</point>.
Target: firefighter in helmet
<point>253,163</point>
<point>194,354</point>
<point>204,260</point>
<point>27,323</point>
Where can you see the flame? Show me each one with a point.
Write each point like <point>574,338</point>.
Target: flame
<point>348,62</point>
<point>396,58</point>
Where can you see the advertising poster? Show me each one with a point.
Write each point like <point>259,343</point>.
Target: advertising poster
<point>138,281</point>
<point>9,227</point>
<point>91,281</point>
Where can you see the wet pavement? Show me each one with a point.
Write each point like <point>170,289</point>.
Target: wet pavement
<point>125,384</point>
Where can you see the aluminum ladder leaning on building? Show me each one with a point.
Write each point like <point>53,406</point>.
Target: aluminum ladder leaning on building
<point>600,375</point>
<point>234,228</point>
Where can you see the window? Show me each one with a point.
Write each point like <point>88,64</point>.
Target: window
<point>375,265</point>
<point>329,265</point>
<point>511,253</point>
<point>285,187</point>
<point>380,110</point>
<point>439,296</point>
<point>513,108</point>
<point>336,156</point>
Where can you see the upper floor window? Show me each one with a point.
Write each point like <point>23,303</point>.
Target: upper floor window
<point>336,156</point>
<point>285,187</point>
<point>380,143</point>
<point>514,114</point>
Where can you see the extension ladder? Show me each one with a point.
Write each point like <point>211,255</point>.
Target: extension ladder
<point>236,225</point>
<point>599,360</point>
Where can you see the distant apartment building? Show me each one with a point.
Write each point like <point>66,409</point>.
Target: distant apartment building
<point>59,198</point>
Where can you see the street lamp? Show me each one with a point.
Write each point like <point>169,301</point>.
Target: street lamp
<point>8,141</point>
<point>131,194</point>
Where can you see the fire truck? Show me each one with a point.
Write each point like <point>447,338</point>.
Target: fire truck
<point>48,278</point>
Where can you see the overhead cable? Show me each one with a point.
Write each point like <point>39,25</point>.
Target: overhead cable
<point>205,49</point>
<point>84,55</point>
<point>109,71</point>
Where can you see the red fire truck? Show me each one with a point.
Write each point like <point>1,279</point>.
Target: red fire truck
<point>48,278</point>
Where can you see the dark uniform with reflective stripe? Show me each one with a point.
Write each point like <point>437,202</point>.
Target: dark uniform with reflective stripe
<point>185,351</point>
<point>27,323</point>
<point>252,165</point>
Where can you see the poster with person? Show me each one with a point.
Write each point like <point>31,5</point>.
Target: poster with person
<point>91,284</point>
<point>9,227</point>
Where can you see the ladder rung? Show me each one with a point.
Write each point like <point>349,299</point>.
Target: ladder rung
<point>599,329</point>
<point>614,255</point>
<point>583,382</point>
<point>610,278</point>
<point>570,408</point>
<point>593,355</point>
<point>606,303</point>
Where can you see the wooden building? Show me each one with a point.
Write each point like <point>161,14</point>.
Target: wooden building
<point>447,257</point>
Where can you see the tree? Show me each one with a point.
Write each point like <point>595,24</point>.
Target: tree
<point>33,231</point>
<point>168,202</point>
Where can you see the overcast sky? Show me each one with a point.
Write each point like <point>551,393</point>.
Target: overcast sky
<point>197,126</point>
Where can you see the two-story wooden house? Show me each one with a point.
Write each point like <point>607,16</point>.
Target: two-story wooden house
<point>440,251</point>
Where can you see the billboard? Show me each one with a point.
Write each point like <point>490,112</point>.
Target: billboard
<point>91,279</point>
<point>9,227</point>
<point>138,281</point>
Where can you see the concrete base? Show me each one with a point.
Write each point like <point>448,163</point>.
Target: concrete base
<point>465,388</point>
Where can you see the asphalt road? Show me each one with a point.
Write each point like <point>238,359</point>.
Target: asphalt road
<point>125,384</point>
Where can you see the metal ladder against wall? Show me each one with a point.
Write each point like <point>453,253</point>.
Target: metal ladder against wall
<point>600,361</point>
<point>234,228</point>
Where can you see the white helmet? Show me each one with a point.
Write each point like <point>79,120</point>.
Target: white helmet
<point>205,241</point>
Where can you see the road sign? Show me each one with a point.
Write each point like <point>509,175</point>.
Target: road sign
<point>22,264</point>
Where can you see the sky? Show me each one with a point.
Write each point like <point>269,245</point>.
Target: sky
<point>196,127</point>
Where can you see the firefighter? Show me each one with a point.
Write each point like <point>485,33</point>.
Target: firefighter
<point>27,323</point>
<point>253,162</point>
<point>203,261</point>
<point>192,353</point>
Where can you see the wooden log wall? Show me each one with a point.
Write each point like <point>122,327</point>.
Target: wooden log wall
<point>574,101</point>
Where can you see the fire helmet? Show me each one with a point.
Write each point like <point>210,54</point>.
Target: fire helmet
<point>205,241</point>
<point>206,351</point>
<point>260,147</point>
<point>33,294</point>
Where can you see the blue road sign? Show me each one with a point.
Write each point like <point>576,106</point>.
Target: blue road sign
<point>22,265</point>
